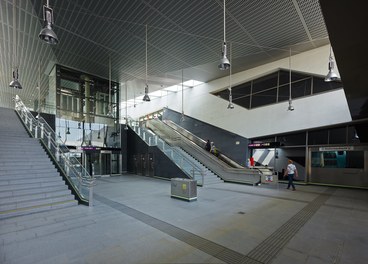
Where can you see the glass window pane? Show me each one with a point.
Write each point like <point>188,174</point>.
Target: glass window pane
<point>243,101</point>
<point>337,136</point>
<point>295,76</point>
<point>318,137</point>
<point>264,98</point>
<point>283,93</point>
<point>301,88</point>
<point>338,159</point>
<point>352,135</point>
<point>355,159</point>
<point>293,139</point>
<point>241,90</point>
<point>265,82</point>
<point>319,85</point>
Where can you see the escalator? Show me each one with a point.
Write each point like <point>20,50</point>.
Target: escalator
<point>225,168</point>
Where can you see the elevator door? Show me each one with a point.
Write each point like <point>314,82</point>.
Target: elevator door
<point>105,164</point>
<point>115,163</point>
<point>98,163</point>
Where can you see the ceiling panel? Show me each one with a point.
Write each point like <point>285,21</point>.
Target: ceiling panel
<point>182,34</point>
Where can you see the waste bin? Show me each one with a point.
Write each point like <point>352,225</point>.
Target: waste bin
<point>185,189</point>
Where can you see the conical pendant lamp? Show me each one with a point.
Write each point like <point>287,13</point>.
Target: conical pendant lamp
<point>146,97</point>
<point>224,62</point>
<point>15,82</point>
<point>230,105</point>
<point>290,107</point>
<point>47,34</point>
<point>331,75</point>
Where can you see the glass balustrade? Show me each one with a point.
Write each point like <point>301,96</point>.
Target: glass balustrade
<point>81,181</point>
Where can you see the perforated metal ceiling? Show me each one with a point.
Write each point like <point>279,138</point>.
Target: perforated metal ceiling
<point>182,34</point>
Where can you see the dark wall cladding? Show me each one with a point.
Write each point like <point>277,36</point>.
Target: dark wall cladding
<point>163,166</point>
<point>275,88</point>
<point>318,137</point>
<point>224,140</point>
<point>293,139</point>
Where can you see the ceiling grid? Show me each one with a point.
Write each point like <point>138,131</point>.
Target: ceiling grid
<point>182,34</point>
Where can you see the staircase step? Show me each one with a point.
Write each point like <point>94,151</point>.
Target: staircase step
<point>37,208</point>
<point>28,175</point>
<point>29,185</point>
<point>31,167</point>
<point>20,192</point>
<point>12,171</point>
<point>36,202</point>
<point>29,180</point>
<point>35,196</point>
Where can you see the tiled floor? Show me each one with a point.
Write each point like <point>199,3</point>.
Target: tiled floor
<point>135,220</point>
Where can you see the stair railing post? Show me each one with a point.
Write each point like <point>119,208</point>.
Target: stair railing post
<point>36,132</point>
<point>57,152</point>
<point>202,173</point>
<point>49,140</point>
<point>90,202</point>
<point>42,131</point>
<point>30,124</point>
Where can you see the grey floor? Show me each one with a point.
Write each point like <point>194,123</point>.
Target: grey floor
<point>134,220</point>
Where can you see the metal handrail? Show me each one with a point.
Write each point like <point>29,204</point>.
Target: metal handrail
<point>200,142</point>
<point>216,165</point>
<point>154,140</point>
<point>82,182</point>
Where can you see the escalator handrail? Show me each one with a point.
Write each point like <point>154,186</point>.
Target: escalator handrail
<point>202,142</point>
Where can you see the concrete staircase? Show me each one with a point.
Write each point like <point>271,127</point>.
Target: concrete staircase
<point>29,182</point>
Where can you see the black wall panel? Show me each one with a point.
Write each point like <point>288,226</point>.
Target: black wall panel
<point>224,140</point>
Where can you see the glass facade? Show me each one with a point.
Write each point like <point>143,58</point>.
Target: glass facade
<point>275,88</point>
<point>87,119</point>
<point>338,159</point>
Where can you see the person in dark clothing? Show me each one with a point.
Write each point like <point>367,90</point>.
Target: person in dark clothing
<point>208,145</point>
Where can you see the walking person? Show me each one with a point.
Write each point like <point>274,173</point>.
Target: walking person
<point>208,145</point>
<point>291,172</point>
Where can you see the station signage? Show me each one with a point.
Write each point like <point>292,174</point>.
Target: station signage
<point>264,145</point>
<point>341,148</point>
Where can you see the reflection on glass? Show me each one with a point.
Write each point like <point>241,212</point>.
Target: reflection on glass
<point>338,159</point>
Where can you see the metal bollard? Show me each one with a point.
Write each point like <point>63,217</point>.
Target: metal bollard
<point>90,202</point>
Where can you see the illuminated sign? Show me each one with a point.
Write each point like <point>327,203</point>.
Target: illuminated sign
<point>264,145</point>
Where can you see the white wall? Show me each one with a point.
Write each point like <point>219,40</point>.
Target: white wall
<point>313,111</point>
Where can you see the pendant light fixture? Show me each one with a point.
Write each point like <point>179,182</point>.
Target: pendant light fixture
<point>39,90</point>
<point>290,107</point>
<point>126,106</point>
<point>230,105</point>
<point>331,75</point>
<point>182,118</point>
<point>47,34</point>
<point>224,62</point>
<point>99,132</point>
<point>109,111</point>
<point>15,83</point>
<point>146,97</point>
<point>67,127</point>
